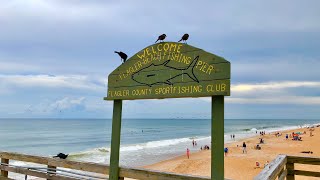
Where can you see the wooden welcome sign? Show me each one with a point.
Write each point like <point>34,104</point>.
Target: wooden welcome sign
<point>170,70</point>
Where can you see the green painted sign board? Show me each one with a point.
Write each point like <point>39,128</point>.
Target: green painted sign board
<point>170,70</point>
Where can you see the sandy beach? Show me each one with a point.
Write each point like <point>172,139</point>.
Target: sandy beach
<point>242,166</point>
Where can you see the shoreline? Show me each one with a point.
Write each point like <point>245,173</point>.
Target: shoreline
<point>237,163</point>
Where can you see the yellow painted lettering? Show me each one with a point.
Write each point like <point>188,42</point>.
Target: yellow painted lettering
<point>159,47</point>
<point>178,49</point>
<point>147,51</point>
<point>173,47</point>
<point>188,60</point>
<point>166,46</point>
<point>153,51</point>
<point>223,87</point>
<point>141,56</point>
<point>176,56</point>
<point>210,68</point>
<point>210,88</point>
<point>171,56</point>
<point>218,87</point>
<point>199,63</point>
<point>204,67</point>
<point>164,55</point>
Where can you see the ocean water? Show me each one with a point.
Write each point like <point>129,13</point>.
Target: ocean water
<point>143,141</point>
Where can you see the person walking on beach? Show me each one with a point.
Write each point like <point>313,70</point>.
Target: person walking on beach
<point>226,151</point>
<point>233,137</point>
<point>244,148</point>
<point>188,153</point>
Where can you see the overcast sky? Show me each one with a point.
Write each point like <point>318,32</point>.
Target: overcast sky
<point>55,55</point>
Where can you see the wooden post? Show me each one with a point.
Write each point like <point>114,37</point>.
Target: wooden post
<point>280,175</point>
<point>4,173</point>
<point>115,140</point>
<point>52,170</point>
<point>290,169</point>
<point>217,138</point>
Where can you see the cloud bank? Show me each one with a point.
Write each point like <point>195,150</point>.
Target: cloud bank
<point>59,53</point>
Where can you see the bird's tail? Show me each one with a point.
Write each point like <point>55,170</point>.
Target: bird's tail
<point>116,52</point>
<point>156,41</point>
<point>180,40</point>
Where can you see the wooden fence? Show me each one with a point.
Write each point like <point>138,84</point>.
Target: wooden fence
<point>60,169</point>
<point>283,167</point>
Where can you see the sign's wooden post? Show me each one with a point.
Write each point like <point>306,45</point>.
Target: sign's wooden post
<point>115,140</point>
<point>217,137</point>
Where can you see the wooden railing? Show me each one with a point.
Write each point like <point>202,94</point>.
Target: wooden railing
<point>283,167</point>
<point>59,169</point>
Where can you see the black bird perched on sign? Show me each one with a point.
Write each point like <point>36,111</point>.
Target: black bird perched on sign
<point>184,38</point>
<point>122,55</point>
<point>62,156</point>
<point>161,37</point>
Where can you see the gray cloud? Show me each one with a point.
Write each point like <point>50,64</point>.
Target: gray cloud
<point>281,68</point>
<point>75,82</point>
<point>62,33</point>
<point>70,20</point>
<point>266,42</point>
